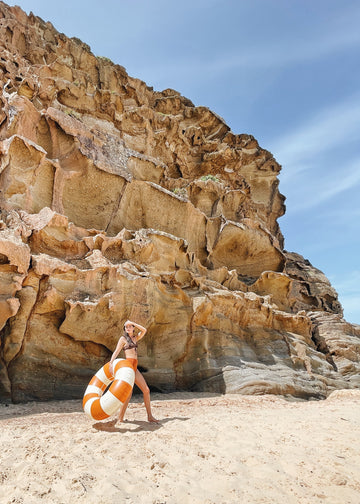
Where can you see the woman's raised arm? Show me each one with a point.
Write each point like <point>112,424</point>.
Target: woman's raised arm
<point>138,326</point>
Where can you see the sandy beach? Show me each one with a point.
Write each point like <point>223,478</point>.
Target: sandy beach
<point>207,449</point>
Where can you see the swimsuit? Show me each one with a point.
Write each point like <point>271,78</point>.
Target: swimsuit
<point>133,363</point>
<point>131,344</point>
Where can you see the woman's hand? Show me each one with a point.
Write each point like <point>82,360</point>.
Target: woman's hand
<point>139,327</point>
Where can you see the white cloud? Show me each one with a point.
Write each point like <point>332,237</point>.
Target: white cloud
<point>342,215</point>
<point>311,188</point>
<point>294,50</point>
<point>315,156</point>
<point>324,131</point>
<point>349,284</point>
<point>305,44</point>
<point>341,184</point>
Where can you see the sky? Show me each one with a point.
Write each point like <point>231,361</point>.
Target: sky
<point>285,71</point>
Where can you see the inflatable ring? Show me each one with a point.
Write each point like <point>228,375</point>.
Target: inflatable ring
<point>98,405</point>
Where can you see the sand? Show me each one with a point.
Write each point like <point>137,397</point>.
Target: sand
<point>206,449</point>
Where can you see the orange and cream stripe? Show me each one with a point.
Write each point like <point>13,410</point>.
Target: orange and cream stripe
<point>98,405</point>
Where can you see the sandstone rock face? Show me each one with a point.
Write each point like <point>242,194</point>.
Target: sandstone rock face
<point>121,202</point>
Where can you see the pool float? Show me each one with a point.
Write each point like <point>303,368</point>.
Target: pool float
<point>98,405</point>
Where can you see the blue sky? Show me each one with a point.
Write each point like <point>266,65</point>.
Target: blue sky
<point>285,71</point>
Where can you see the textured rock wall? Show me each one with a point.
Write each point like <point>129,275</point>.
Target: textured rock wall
<point>120,202</point>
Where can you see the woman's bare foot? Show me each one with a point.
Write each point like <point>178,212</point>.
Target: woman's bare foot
<point>153,420</point>
<point>112,423</point>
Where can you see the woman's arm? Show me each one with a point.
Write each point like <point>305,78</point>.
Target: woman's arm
<point>138,326</point>
<point>117,350</point>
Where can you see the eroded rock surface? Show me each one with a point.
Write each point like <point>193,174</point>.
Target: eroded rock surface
<point>118,201</point>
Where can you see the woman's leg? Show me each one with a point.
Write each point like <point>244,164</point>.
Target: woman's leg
<point>126,403</point>
<point>123,408</point>
<point>141,383</point>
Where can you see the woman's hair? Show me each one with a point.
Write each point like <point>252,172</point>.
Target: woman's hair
<point>126,336</point>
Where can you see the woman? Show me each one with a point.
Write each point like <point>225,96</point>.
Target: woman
<point>128,342</point>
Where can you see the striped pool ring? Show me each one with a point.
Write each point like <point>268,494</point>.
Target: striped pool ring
<point>98,405</point>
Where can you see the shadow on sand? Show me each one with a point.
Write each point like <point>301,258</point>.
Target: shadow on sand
<point>142,426</point>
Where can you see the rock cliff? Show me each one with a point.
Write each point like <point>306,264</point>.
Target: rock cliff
<point>118,201</point>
